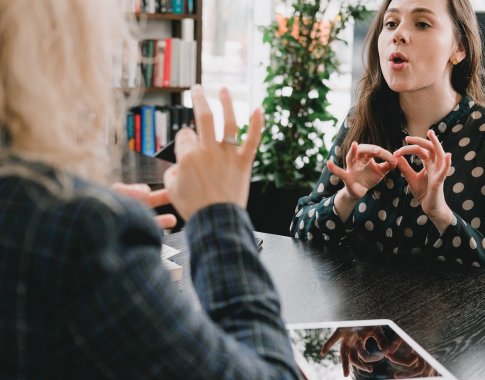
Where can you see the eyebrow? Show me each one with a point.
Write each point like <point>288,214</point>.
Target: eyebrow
<point>416,10</point>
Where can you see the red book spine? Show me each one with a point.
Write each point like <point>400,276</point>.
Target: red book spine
<point>138,132</point>
<point>166,66</point>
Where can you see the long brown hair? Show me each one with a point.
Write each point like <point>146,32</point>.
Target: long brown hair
<point>377,114</point>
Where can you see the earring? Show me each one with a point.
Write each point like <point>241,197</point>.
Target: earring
<point>454,61</point>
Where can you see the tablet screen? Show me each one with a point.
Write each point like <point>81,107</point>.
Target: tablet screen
<point>374,349</point>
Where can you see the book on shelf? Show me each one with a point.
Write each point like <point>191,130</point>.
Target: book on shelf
<point>130,130</point>
<point>169,62</point>
<point>190,7</point>
<point>161,6</point>
<point>148,134</point>
<point>155,126</point>
<point>178,6</point>
<point>158,64</point>
<point>138,132</point>
<point>162,122</point>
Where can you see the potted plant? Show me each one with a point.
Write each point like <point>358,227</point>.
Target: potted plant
<point>292,152</point>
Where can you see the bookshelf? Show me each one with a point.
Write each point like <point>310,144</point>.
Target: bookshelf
<point>170,45</point>
<point>156,27</point>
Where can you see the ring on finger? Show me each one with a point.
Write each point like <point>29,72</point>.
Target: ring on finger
<point>230,140</point>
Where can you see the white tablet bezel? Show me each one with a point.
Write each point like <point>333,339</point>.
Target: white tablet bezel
<point>445,374</point>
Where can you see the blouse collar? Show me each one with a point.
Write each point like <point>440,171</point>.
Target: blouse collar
<point>461,110</point>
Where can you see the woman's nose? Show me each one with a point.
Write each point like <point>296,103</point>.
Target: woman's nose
<point>400,36</point>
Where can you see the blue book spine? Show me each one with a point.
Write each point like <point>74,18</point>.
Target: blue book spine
<point>190,6</point>
<point>148,133</point>
<point>178,6</point>
<point>130,130</point>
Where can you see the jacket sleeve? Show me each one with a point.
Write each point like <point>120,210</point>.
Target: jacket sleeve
<point>129,320</point>
<point>460,243</point>
<point>315,215</point>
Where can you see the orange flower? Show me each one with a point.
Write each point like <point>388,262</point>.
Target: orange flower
<point>323,27</point>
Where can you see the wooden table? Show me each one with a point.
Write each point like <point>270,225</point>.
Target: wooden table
<point>137,168</point>
<point>443,310</point>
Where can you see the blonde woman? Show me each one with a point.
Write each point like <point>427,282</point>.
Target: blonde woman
<point>83,291</point>
<point>406,175</point>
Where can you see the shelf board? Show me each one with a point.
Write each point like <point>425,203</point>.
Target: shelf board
<point>166,16</point>
<point>149,90</point>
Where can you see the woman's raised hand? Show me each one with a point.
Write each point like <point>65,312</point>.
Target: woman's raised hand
<point>427,185</point>
<point>362,172</point>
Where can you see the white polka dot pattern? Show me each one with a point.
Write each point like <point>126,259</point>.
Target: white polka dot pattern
<point>470,155</point>
<point>458,188</point>
<point>382,215</point>
<point>477,172</point>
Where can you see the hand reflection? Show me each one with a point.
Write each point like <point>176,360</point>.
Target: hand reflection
<point>372,351</point>
<point>353,347</point>
<point>407,363</point>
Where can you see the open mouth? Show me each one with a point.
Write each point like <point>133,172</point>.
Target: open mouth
<point>397,58</point>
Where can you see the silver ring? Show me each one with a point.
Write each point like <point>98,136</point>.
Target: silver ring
<point>230,140</point>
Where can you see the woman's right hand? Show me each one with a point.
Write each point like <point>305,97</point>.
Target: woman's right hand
<point>362,171</point>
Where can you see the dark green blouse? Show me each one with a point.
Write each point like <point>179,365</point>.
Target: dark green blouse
<point>389,221</point>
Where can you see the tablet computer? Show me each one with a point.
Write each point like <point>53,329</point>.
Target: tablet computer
<point>365,349</point>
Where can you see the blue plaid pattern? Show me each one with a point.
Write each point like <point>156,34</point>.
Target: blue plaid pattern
<point>84,295</point>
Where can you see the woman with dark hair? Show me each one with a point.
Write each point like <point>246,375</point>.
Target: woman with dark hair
<point>406,171</point>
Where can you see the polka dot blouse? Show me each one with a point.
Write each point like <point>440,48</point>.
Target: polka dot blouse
<point>389,221</point>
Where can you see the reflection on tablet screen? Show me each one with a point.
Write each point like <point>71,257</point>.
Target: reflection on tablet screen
<point>380,351</point>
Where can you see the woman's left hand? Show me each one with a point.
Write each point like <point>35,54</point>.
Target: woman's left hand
<point>142,192</point>
<point>427,185</point>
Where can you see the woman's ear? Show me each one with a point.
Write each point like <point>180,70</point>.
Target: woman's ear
<point>459,55</point>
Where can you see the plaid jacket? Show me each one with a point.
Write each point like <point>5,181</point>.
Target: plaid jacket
<point>83,293</point>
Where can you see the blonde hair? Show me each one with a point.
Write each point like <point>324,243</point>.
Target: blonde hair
<point>57,104</point>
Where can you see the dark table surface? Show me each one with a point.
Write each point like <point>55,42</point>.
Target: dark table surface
<point>442,309</point>
<point>137,168</point>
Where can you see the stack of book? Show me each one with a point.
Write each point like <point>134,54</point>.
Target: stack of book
<point>162,6</point>
<point>170,62</point>
<point>149,128</point>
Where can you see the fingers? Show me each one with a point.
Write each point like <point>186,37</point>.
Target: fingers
<point>230,125</point>
<point>249,147</point>
<point>423,154</point>
<point>404,358</point>
<point>344,356</point>
<point>336,170</point>
<point>365,151</point>
<point>433,145</point>
<point>334,338</point>
<point>426,144</point>
<point>166,220</point>
<point>185,141</point>
<point>204,120</point>
<point>355,361</point>
<point>134,190</point>
<point>158,198</point>
<point>405,168</point>
<point>169,178</point>
<point>351,154</point>
<point>445,168</point>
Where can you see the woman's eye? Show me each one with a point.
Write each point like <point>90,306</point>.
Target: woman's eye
<point>423,25</point>
<point>391,24</point>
